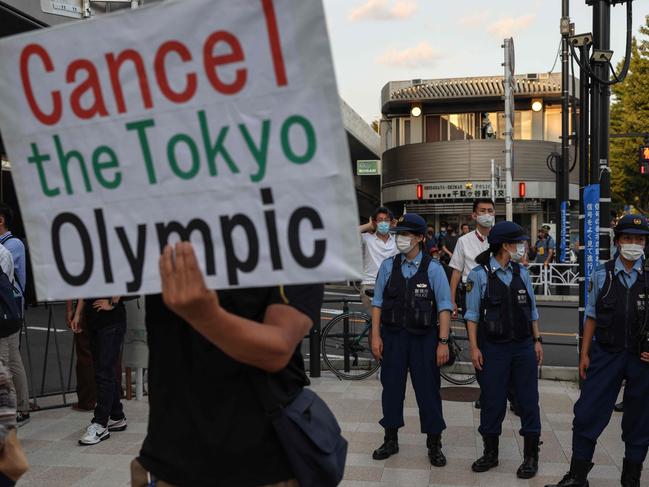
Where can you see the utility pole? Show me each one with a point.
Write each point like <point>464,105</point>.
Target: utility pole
<point>600,121</point>
<point>510,81</point>
<point>563,163</point>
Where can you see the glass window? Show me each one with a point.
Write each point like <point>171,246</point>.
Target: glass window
<point>406,132</point>
<point>432,128</point>
<point>552,126</point>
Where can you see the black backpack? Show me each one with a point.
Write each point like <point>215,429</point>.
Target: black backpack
<point>10,312</point>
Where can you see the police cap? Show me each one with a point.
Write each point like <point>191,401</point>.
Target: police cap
<point>411,222</point>
<point>504,232</point>
<point>632,224</point>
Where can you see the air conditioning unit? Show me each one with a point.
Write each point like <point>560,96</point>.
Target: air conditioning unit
<point>416,82</point>
<point>532,76</point>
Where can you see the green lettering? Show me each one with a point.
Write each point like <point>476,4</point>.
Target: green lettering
<point>99,166</point>
<point>259,153</point>
<point>310,140</point>
<point>38,159</point>
<point>173,162</point>
<point>64,161</point>
<point>140,127</point>
<point>212,151</point>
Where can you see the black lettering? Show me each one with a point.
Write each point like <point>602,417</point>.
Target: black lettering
<point>75,221</point>
<point>166,229</point>
<point>233,262</point>
<point>103,245</point>
<point>320,246</point>
<point>271,228</point>
<point>135,260</point>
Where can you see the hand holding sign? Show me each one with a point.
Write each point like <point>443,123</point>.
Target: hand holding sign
<point>183,286</point>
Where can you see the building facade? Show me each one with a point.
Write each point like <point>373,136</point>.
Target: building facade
<point>443,134</point>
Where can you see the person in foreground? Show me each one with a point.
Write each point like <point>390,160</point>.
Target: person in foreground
<point>505,343</point>
<point>411,314</point>
<point>207,425</point>
<point>617,319</point>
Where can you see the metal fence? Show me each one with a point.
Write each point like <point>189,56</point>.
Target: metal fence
<point>547,280</point>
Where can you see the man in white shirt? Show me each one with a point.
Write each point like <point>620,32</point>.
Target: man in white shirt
<point>469,246</point>
<point>7,263</point>
<point>377,245</point>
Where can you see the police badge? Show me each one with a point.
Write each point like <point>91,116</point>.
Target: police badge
<point>469,285</point>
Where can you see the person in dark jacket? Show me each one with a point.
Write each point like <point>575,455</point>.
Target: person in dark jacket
<point>410,331</point>
<point>616,317</point>
<point>505,343</point>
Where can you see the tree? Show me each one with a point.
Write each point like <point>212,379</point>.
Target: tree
<point>630,113</point>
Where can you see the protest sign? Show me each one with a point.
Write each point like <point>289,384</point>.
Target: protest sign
<point>208,120</point>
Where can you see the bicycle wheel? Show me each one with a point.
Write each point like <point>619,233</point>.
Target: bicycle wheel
<point>346,349</point>
<point>461,373</point>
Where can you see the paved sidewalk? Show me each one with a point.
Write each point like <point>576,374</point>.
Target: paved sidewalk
<point>57,461</point>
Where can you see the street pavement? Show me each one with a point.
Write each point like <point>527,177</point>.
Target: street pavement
<point>50,440</point>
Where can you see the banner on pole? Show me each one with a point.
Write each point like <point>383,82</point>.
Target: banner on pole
<point>205,120</point>
<point>591,237</point>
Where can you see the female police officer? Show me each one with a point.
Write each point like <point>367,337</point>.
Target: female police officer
<point>411,292</point>
<point>505,341</point>
<point>616,316</point>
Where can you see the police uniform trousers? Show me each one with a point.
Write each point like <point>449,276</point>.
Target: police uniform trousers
<point>404,351</point>
<point>513,362</point>
<point>599,392</point>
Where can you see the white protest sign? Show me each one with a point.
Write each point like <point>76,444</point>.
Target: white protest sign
<point>209,120</point>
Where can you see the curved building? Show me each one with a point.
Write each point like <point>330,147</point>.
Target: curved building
<point>442,135</point>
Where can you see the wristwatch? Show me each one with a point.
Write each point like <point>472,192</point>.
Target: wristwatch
<point>538,339</point>
<point>443,341</point>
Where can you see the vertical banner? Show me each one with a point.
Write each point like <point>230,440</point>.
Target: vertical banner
<point>212,121</point>
<point>591,239</point>
<point>563,232</point>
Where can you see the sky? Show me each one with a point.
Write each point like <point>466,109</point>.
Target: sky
<point>376,41</point>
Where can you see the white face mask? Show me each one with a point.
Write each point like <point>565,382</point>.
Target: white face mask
<point>631,251</point>
<point>405,244</point>
<point>486,221</point>
<point>517,256</point>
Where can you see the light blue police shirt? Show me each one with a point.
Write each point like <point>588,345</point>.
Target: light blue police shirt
<point>628,278</point>
<point>436,278</point>
<point>478,276</point>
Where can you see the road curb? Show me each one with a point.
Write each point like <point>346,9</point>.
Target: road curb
<point>559,373</point>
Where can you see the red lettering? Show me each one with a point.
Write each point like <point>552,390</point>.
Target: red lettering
<point>211,62</point>
<point>91,84</point>
<point>57,107</point>
<point>114,65</point>
<point>161,73</point>
<point>275,43</point>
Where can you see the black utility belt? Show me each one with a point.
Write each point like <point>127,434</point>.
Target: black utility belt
<point>412,329</point>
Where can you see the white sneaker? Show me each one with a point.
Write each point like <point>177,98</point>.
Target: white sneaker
<point>94,434</point>
<point>117,424</point>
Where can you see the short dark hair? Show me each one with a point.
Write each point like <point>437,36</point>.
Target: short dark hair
<point>382,209</point>
<point>7,213</point>
<point>486,201</point>
<point>464,225</point>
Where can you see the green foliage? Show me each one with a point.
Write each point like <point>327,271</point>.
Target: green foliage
<point>630,113</point>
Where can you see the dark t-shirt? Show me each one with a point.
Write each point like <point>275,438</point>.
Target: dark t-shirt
<point>450,241</point>
<point>206,424</point>
<point>98,318</point>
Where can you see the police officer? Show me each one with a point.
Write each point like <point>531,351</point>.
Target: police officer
<point>505,342</point>
<point>411,312</point>
<point>616,316</point>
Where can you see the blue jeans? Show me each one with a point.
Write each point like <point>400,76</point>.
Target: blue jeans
<point>106,343</point>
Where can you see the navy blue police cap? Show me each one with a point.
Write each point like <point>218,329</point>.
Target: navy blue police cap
<point>410,222</point>
<point>632,224</point>
<point>504,232</point>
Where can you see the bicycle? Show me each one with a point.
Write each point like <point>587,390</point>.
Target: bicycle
<point>459,370</point>
<point>346,347</point>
